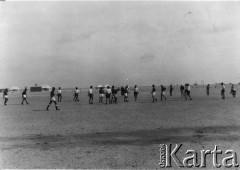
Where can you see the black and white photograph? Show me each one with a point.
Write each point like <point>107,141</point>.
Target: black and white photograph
<point>119,84</point>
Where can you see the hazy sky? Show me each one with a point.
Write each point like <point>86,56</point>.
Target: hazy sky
<point>90,43</point>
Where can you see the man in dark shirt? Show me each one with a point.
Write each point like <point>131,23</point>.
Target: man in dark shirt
<point>52,99</point>
<point>122,91</point>
<point>5,96</point>
<point>101,95</point>
<point>208,88</point>
<point>24,96</point>
<point>182,90</point>
<point>114,95</point>
<point>163,89</point>
<point>171,89</point>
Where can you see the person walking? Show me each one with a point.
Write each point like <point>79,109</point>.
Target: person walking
<point>114,94</point>
<point>52,99</point>
<point>76,93</point>
<point>101,95</point>
<point>24,96</point>
<point>233,91</point>
<point>163,92</point>
<point>187,91</point>
<point>5,96</point>
<point>153,92</point>
<point>182,90</point>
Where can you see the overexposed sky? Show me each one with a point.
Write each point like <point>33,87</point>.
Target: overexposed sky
<point>90,43</point>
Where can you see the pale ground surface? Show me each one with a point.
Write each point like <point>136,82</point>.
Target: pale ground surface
<point>126,135</point>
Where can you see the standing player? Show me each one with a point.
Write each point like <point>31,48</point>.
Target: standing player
<point>52,99</point>
<point>163,89</point>
<point>153,92</point>
<point>208,89</point>
<point>182,90</point>
<point>101,95</point>
<point>233,91</point>
<point>108,95</point>
<point>187,91</point>
<point>122,91</point>
<point>90,95</point>
<point>114,95</point>
<point>136,92</point>
<point>171,89</point>
<point>76,93</point>
<point>24,96</point>
<point>126,91</point>
<point>59,94</point>
<point>5,96</point>
<point>223,91</point>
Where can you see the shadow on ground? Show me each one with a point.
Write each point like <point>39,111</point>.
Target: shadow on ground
<point>141,137</point>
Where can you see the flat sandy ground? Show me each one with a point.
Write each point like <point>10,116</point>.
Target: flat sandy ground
<point>123,135</point>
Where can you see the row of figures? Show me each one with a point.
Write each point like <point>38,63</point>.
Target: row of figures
<point>184,89</point>
<point>109,93</point>
<point>24,96</point>
<point>112,97</point>
<point>233,90</point>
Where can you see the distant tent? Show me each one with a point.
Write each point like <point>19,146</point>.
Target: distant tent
<point>46,87</point>
<point>99,86</point>
<point>14,88</point>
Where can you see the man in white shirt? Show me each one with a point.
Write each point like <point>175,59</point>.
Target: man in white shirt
<point>59,94</point>
<point>108,95</point>
<point>76,92</point>
<point>90,95</point>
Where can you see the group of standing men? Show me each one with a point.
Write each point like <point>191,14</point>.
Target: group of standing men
<point>233,91</point>
<point>24,96</point>
<point>111,94</point>
<point>185,92</point>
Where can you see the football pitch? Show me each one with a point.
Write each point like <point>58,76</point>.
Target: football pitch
<point>123,135</point>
